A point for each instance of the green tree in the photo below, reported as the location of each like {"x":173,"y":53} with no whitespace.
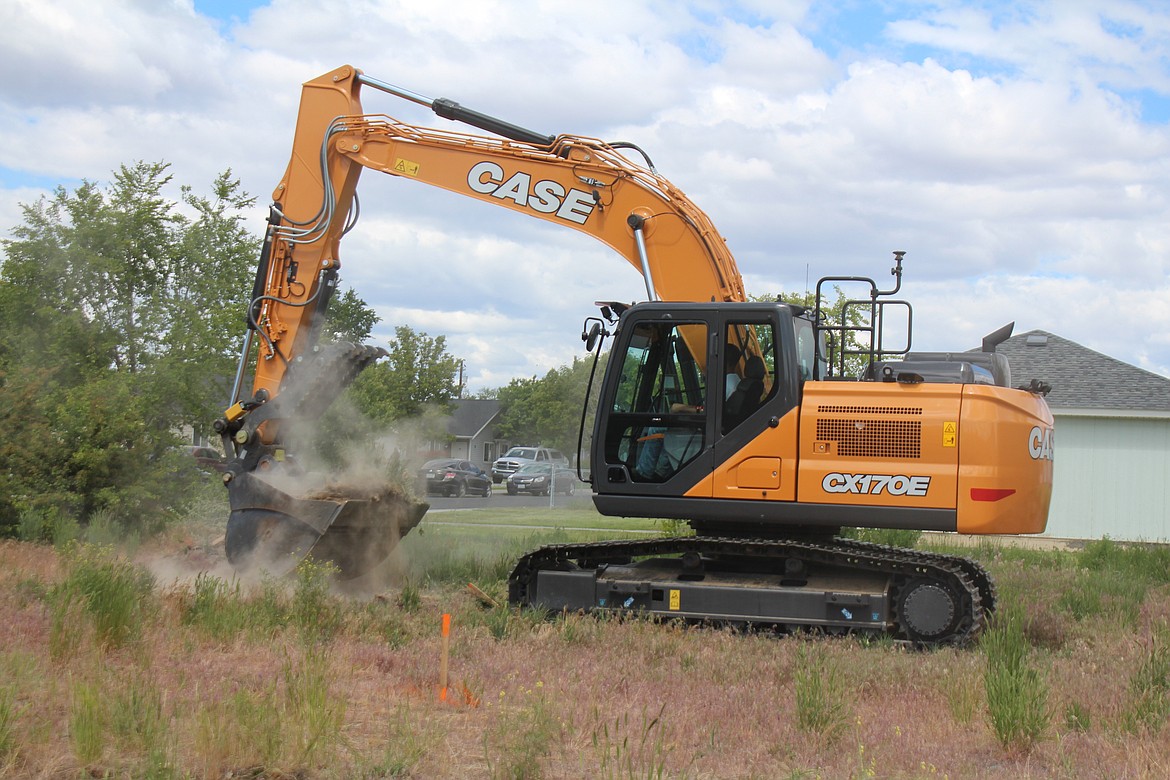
{"x":548,"y":410}
{"x":418,"y":372}
{"x":349,"y":319}
{"x":118,"y":322}
{"x":832,"y":312}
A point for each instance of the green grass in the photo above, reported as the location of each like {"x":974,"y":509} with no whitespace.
{"x":285,"y":678}
{"x":1017,"y":693}
{"x":821,"y":697}
{"x":113,"y":593}
{"x":540,"y":517}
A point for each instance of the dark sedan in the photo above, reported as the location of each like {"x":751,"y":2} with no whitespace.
{"x":454,"y":477}
{"x":535,"y":478}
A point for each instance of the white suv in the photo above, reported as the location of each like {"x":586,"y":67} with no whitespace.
{"x":520,"y":456}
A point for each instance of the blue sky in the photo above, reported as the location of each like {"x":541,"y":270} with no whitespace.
{"x":1019,"y":152}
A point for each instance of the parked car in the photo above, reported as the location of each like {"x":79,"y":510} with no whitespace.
{"x":206,"y":459}
{"x":534,"y":478}
{"x":519,"y":456}
{"x":454,"y":477}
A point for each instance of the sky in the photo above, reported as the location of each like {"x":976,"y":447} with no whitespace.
{"x":1019,"y":153}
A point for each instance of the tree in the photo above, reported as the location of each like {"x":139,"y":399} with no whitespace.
{"x":548,"y":410}
{"x":418,"y":372}
{"x":119,"y":318}
{"x":832,"y":313}
{"x":349,"y":318}
{"x":414,"y":383}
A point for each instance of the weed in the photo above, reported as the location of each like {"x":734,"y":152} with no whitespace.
{"x":576,"y":628}
{"x":963,"y":697}
{"x":1076,"y":717}
{"x":87,"y":722}
{"x":642,"y":757}
{"x":893,"y":537}
{"x":1149,"y":687}
{"x":7,"y":722}
{"x":51,"y":525}
{"x":672,"y":527}
{"x":409,"y":599}
{"x":214,"y":607}
{"x":520,"y":737}
{"x":820,"y":696}
{"x":114,"y":593}
{"x":405,"y":746}
{"x":498,"y":620}
{"x":1147,"y":563}
{"x":1017,"y":695}
{"x":314,"y":715}
{"x":102,"y":528}
{"x":1081,"y":602}
{"x":314,"y":612}
{"x":256,"y":733}
{"x":136,"y":717}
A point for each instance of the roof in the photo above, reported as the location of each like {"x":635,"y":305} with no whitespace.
{"x":469,"y":416}
{"x":1082,"y":378}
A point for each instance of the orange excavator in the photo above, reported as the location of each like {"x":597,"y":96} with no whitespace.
{"x":764,"y":426}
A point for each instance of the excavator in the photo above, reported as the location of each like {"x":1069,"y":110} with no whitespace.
{"x":766,"y":426}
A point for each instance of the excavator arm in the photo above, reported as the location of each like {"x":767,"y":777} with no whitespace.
{"x":579,"y":183}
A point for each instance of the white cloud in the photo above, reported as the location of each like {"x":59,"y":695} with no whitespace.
{"x":1022,"y":186}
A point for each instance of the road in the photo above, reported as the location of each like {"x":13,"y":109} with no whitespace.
{"x":501,"y":500}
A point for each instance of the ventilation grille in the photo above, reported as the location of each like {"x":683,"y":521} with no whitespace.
{"x":912,"y":410}
{"x":873,"y":438}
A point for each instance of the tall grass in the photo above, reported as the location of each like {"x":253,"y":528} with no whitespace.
{"x":87,"y":722}
{"x":7,"y":724}
{"x":114,"y":594}
{"x":312,"y":716}
{"x":1149,"y":686}
{"x":1145,"y":563}
{"x":406,"y":744}
{"x":521,"y":736}
{"x":241,"y":730}
{"x":314,"y":611}
{"x":629,"y":752}
{"x":1017,"y":694}
{"x":821,"y":705}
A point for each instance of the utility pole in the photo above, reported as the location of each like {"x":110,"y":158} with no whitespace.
{"x":461,"y":367}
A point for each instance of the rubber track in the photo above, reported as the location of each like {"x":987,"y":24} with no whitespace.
{"x":964,"y":577}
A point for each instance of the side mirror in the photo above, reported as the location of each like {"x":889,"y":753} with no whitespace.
{"x":592,"y":336}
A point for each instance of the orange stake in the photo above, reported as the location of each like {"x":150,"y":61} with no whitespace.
{"x":443,"y":662}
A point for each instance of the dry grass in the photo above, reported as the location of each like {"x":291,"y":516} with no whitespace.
{"x":566,"y":696}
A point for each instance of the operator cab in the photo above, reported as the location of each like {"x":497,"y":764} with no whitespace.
{"x":690,"y":384}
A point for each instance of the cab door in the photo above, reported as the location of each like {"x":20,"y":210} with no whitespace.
{"x":754,"y":452}
{"x":654,"y":427}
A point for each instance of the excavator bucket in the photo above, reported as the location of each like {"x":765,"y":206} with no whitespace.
{"x":352,"y":529}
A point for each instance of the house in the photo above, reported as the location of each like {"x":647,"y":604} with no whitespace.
{"x":471,"y":432}
{"x":1112,"y":439}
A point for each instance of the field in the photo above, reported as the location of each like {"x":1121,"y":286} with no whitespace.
{"x":154,"y":662}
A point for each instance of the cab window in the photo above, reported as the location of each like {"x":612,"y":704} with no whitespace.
{"x":749,"y":371}
{"x":658,"y":423}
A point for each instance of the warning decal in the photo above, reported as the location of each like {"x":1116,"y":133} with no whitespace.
{"x":405,"y":167}
{"x":950,"y":434}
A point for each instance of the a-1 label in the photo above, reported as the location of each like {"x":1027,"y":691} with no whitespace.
{"x":675,"y":599}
